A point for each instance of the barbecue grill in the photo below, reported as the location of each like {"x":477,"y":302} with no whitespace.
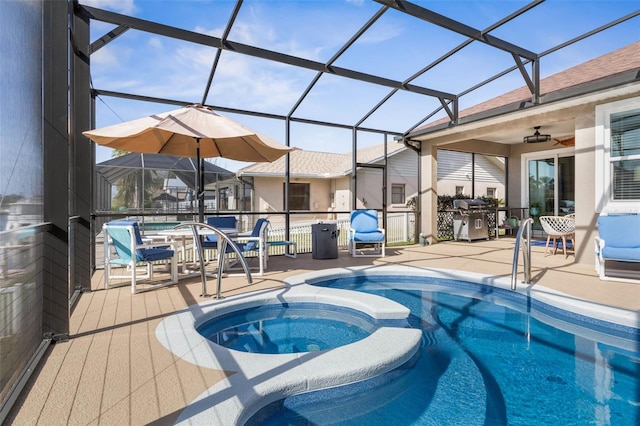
{"x":470,"y":221}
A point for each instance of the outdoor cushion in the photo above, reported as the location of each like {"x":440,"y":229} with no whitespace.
{"x":621,"y":253}
{"x":621,"y":231}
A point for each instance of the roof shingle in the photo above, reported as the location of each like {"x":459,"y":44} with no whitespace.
{"x":624,"y":59}
{"x":319,"y":164}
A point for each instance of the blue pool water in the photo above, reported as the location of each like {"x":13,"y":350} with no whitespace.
{"x":288,"y":328}
{"x":484,"y":360}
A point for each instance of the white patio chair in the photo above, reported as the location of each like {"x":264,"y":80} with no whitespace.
{"x":559,"y":227}
{"x":125,"y":248}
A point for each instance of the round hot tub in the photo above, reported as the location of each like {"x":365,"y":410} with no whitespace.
{"x":288,"y":328}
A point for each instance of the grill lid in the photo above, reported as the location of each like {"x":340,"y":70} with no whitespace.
{"x":468,"y":204}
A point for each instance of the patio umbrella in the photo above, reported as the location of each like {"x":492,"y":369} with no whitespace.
{"x":192,"y":131}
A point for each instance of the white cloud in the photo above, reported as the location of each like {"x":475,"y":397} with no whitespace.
{"x":155,"y":43}
{"x":214,"y":32}
{"x":105,"y":57}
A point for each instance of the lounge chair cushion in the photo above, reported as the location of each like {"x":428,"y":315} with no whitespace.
{"x":619,"y":231}
{"x":374,"y":236}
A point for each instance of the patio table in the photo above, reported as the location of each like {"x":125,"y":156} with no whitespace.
{"x":179,"y":238}
{"x":197,"y":230}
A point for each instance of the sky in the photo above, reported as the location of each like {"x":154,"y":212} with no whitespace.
{"x":395,"y":47}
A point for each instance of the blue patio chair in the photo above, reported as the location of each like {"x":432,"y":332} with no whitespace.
{"x":124,"y":248}
{"x":222,"y":222}
{"x":254,"y":242}
{"x":364,"y":231}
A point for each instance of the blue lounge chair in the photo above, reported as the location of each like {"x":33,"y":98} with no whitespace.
{"x":618,"y":247}
{"x":124,"y":248}
{"x":364,"y":231}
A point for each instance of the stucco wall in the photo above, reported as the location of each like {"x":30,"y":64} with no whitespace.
{"x":585,"y":183}
{"x":269,"y":197}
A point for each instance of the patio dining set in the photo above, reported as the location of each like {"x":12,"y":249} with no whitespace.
{"x":130,"y":256}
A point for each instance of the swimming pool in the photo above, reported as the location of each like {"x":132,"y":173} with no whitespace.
{"x":288,"y":328}
{"x":487,"y":358}
{"x":453,"y":370}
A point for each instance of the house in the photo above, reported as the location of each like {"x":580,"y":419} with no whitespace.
{"x":320,"y":181}
{"x":471,"y":175}
{"x":588,"y":163}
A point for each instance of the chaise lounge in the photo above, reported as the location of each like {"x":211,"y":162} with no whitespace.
{"x":618,"y":247}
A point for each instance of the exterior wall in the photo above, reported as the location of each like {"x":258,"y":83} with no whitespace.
{"x":586,"y":216}
{"x":429,"y":193}
{"x":456,"y":169}
{"x":369,"y":189}
{"x":269,"y":198}
{"x":342,"y":199}
{"x":402,"y":168}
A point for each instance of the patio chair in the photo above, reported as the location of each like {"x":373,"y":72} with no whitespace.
{"x":222,"y":222}
{"x":559,"y":227}
{"x":364,"y":231}
{"x":618,"y":247}
{"x":254,"y":242}
{"x":124,"y":248}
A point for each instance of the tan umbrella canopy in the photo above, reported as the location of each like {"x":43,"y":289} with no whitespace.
{"x":192,"y":131}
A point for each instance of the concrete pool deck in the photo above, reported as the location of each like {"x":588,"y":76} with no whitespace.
{"x":113,"y":370}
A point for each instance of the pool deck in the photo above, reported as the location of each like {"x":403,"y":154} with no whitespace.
{"x":113,"y":369}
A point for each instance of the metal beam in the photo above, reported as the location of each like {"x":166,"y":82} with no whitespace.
{"x":99,"y":92}
{"x":524,"y":73}
{"x":206,"y":40}
{"x":441,"y":59}
{"x":536,"y":78}
{"x":107,"y":38}
{"x":562,"y":95}
{"x":214,"y":66}
{"x":339,"y":53}
{"x":457,"y":27}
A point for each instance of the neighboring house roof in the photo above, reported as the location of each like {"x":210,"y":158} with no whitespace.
{"x":602,"y":68}
{"x":315,"y":164}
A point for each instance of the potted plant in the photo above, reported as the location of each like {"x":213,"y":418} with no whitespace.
{"x":534,"y":208}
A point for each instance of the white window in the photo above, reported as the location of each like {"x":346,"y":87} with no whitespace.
{"x":459,"y":190}
{"x":618,"y":150}
{"x":625,"y":155}
{"x":491,"y":192}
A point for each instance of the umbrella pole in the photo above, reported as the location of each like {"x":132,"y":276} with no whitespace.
{"x":200,"y":184}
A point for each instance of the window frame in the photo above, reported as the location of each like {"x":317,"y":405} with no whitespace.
{"x":604,"y":197}
{"x":306,"y":198}
{"x":224,"y":195}
{"x":403,"y":188}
